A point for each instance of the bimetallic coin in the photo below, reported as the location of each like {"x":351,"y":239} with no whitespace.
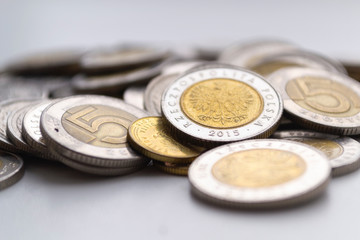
{"x":59,"y":62}
{"x":342,"y":152}
{"x":295,"y":59}
{"x":92,"y":130}
{"x":216,"y":103}
{"x":134,"y":95}
{"x":125,"y":56}
{"x":14,"y":128}
{"x":11,"y":169}
{"x":172,"y":168}
{"x":150,"y":137}
{"x":157,"y":86}
{"x":249,"y":53}
{"x":320,"y":100}
{"x":31,"y":130}
{"x":6,"y":108}
{"x":260,"y":173}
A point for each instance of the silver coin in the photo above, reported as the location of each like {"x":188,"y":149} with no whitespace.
{"x":124,"y":56}
{"x":247,"y":53}
{"x":31,"y":129}
{"x":216,"y":117}
{"x":51,"y":62}
{"x":157,"y":86}
{"x":272,"y":63}
{"x":14,"y":128}
{"x":92,"y":130}
{"x":6,"y":108}
{"x":96,"y":170}
{"x":134,"y":95}
{"x":342,"y":152}
{"x":117,"y":81}
{"x":320,"y":100}
{"x":11,"y":169}
{"x":260,"y":173}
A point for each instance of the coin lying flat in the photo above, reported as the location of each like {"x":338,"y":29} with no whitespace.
{"x":216,"y":103}
{"x":248,"y":53}
{"x":260,"y":173}
{"x":320,"y":100}
{"x":342,"y":152}
{"x":134,"y":95}
{"x":6,"y":108}
{"x":11,"y":169}
{"x":172,"y":168}
{"x":157,"y":86}
{"x":14,"y":129}
{"x":31,"y":129}
{"x":92,"y":130}
{"x":150,"y":137}
{"x":296,"y":59}
{"x":58,"y":62}
{"x":124,"y":56}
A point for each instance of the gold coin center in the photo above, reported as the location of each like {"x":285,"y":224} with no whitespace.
{"x":221,"y":103}
{"x":331,"y":149}
{"x":258,"y":168}
{"x":150,"y":133}
{"x":98,"y":125}
{"x":324,"y":96}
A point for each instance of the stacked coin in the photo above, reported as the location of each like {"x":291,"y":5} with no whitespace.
{"x":181,"y":117}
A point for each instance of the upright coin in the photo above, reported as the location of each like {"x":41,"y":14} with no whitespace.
{"x":215,"y":104}
{"x":92,"y":130}
{"x":260,"y":173}
{"x":31,"y":129}
{"x":134,"y":95}
{"x":150,"y":137}
{"x":320,"y":100}
{"x":343,"y":152}
{"x":11,"y":169}
{"x":6,"y":108}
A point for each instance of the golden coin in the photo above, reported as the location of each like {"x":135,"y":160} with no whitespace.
{"x":98,"y":125}
{"x":149,"y":136}
{"x":175,"y":169}
{"x":324,"y":96}
{"x":221,"y":103}
{"x":331,"y":148}
{"x":259,"y":168}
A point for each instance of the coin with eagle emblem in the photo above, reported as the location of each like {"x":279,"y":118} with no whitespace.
{"x":214,"y":104}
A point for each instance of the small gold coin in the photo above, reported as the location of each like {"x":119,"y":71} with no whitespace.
{"x":149,"y":136}
{"x":172,"y":168}
{"x":221,"y":103}
{"x":258,"y":168}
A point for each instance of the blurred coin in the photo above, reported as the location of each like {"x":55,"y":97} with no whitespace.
{"x":320,"y":100}
{"x":58,"y":62}
{"x":216,"y":103}
{"x":150,"y":137}
{"x":247,"y":53}
{"x":343,"y":152}
{"x":92,"y":130}
{"x":172,"y":168}
{"x":11,"y":169}
{"x":6,"y":108}
{"x":14,"y":128}
{"x":124,"y":56}
{"x":157,"y":86}
{"x":353,"y":68}
{"x":295,"y":59}
{"x":117,"y":81}
{"x":261,"y":173}
{"x":134,"y":95}
{"x":31,"y":129}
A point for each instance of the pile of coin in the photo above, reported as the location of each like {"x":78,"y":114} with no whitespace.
{"x":260,"y":124}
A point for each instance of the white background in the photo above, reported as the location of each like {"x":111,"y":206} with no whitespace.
{"x":55,"y":202}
